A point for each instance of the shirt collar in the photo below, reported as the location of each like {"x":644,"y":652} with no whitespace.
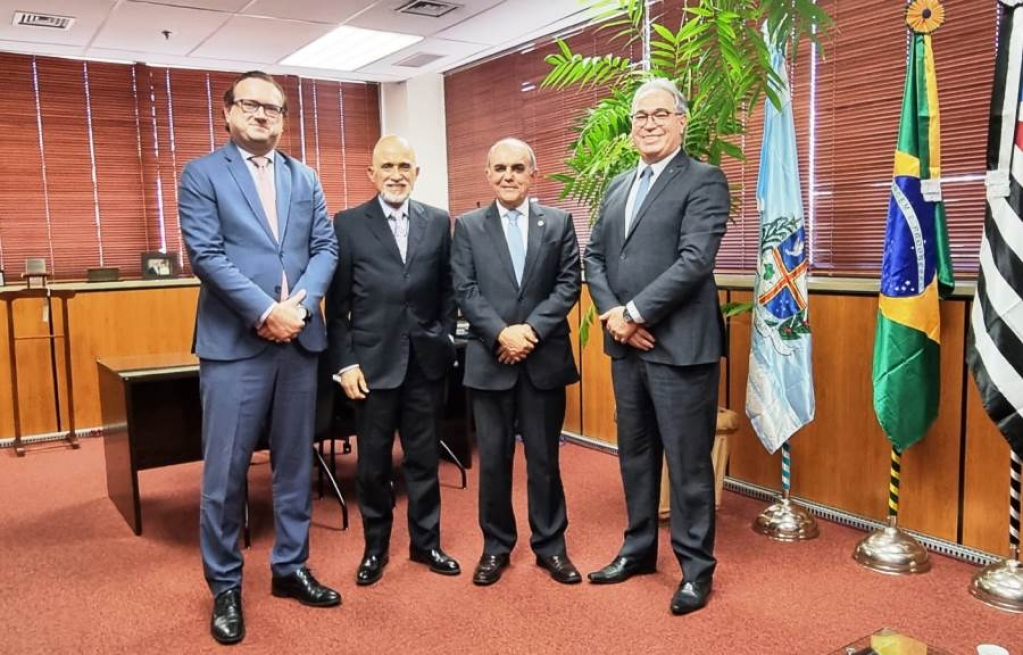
{"x":248,"y":155}
{"x":389,"y":210}
{"x":659,"y":165}
{"x":522,"y":209}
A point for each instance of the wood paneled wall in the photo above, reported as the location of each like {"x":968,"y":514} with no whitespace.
{"x":954,"y":482}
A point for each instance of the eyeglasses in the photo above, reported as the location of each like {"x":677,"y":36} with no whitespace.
{"x":251,"y":107}
{"x":660,"y":117}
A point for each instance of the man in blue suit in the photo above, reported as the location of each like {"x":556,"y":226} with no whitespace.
{"x":255,"y":225}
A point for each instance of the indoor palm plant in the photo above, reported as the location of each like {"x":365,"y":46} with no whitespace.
{"x":717,"y":54}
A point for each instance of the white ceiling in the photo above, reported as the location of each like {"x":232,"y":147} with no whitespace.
{"x":238,"y":35}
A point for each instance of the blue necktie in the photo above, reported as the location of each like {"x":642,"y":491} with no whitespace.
{"x":516,"y":248}
{"x":644,"y":186}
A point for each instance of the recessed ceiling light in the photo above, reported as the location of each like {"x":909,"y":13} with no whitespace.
{"x":349,"y":48}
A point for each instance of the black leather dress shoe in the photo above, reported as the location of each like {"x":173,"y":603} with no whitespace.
{"x":437,"y":559}
{"x":371,"y":569}
{"x":489,"y":570}
{"x":560,"y":567}
{"x":228,"y":625}
{"x":623,"y":568}
{"x":691,"y":596}
{"x":303,"y":587}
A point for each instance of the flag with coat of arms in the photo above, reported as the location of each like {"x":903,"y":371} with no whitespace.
{"x":779,"y":391}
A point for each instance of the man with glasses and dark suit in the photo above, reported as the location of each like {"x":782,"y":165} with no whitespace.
{"x":517,"y":276}
{"x":650,"y":271}
{"x":255,"y":225}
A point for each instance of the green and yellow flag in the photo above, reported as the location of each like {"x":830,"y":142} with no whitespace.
{"x":917,"y":269}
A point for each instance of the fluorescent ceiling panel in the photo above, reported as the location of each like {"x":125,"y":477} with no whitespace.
{"x":349,"y":48}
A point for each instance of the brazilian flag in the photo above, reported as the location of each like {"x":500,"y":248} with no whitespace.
{"x":917,"y":268}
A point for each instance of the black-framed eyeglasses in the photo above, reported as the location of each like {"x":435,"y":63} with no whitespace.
{"x":660,"y":117}
{"x":251,"y":107}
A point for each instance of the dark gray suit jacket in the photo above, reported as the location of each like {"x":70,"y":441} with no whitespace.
{"x":665,"y":265}
{"x":491,"y":300}
{"x":377,"y":304}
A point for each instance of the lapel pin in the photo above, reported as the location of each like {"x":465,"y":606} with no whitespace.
{"x":539,"y":223}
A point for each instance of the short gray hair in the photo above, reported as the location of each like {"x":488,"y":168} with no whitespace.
{"x":661,"y":84}
{"x":518,"y":143}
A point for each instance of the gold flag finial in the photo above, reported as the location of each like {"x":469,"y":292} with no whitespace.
{"x":925,"y":16}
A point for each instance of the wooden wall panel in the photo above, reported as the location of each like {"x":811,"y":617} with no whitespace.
{"x":6,"y":408}
{"x":842,"y":458}
{"x":598,"y":416}
{"x":749,"y":461}
{"x":35,"y":372}
{"x":130,"y":322}
{"x":573,"y":406}
{"x":986,"y":481}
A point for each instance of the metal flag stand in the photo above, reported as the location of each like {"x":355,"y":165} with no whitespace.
{"x":786,"y":520}
{"x":890,"y":549}
{"x":1000,"y":584}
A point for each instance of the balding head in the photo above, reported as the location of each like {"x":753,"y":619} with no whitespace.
{"x":394,"y":170}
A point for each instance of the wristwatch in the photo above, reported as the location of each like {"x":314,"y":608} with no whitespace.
{"x":627,"y":317}
{"x":306,"y":314}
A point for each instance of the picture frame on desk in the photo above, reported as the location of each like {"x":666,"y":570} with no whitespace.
{"x":159,"y":265}
{"x":2,"y":282}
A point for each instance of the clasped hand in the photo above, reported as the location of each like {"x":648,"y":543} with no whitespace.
{"x":515,"y":343}
{"x":285,"y":320}
{"x":625,"y":332}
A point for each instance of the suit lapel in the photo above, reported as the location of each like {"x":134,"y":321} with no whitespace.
{"x":416,"y":230}
{"x":492,"y":225}
{"x":239,"y":170}
{"x":615,"y":213}
{"x":535,"y":240}
{"x":678,"y":164}
{"x":283,"y":179}
{"x":377,"y":223}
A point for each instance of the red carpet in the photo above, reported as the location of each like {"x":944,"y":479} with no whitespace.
{"x":76,"y":580}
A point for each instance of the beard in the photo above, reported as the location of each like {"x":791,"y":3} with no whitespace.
{"x":395,"y":199}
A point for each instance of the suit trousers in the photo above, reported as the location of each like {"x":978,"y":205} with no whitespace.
{"x":538,"y":415}
{"x":668,"y":411}
{"x":412,"y":410}
{"x":238,"y":398}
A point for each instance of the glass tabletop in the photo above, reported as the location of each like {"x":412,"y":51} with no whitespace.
{"x":888,"y":642}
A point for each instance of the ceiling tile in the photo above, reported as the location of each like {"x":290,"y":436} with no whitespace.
{"x":320,"y":11}
{"x":260,"y":40}
{"x":137,"y":26}
{"x":384,"y":16}
{"x":88,"y":15}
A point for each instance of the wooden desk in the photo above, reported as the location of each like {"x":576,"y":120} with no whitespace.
{"x":152,"y":417}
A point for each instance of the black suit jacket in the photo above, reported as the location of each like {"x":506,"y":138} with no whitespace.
{"x":491,"y":300}
{"x":377,"y":305}
{"x":665,"y":264}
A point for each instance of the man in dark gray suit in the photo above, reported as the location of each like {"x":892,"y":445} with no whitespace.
{"x":256,"y":228}
{"x":391,"y":325}
{"x":650,"y":270}
{"x":516,"y":271}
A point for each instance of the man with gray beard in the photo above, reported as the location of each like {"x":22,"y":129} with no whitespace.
{"x":391,"y":322}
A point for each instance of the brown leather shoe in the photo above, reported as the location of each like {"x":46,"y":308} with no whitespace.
{"x":560,"y":567}
{"x":303,"y":587}
{"x":489,"y":569}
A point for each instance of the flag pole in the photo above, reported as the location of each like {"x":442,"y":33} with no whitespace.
{"x":786,"y":520}
{"x":891,"y":549}
{"x":1000,"y":584}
